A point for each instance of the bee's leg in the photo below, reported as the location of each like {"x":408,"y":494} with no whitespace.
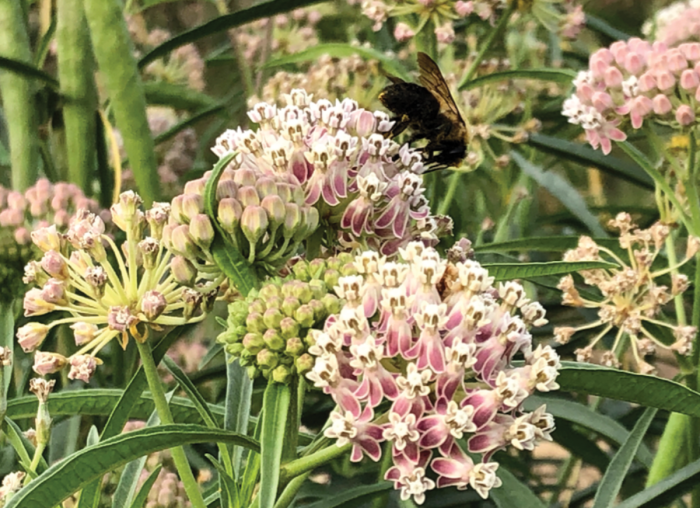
{"x":400,"y":125}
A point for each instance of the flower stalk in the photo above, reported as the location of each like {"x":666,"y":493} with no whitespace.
{"x":310,"y":462}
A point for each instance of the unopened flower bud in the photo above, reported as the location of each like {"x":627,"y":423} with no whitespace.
{"x":84,"y":333}
{"x":183,"y":271}
{"x":294,"y":347}
{"x":48,"y":363}
{"x":289,"y":328}
{"x":182,"y":242}
{"x":281,"y":374}
{"x":157,"y":218}
{"x":254,"y":223}
{"x":289,"y":305}
{"x":248,"y":196}
{"x":47,"y":238}
{"x":42,"y":388}
{"x":331,"y":303}
{"x":252,"y":371}
{"x":226,"y":189}
{"x":229,"y":214}
{"x":54,"y":264}
{"x":253,"y":342}
{"x":330,"y":277}
{"x":272,"y":317}
{"x":96,"y":277}
{"x":245,"y":177}
{"x":192,"y":205}
{"x":304,"y":315}
{"x":319,"y":310}
{"x":82,"y":367}
{"x":235,"y":349}
{"x":304,"y":363}
{"x":301,"y":271}
{"x":149,"y":248}
{"x":276,"y":211}
{"x":31,"y":335}
{"x":257,"y":306}
{"x":193,"y":301}
{"x":269,"y":291}
{"x":267,"y":359}
{"x":292,"y":220}
{"x":202,"y":231}
{"x":153,"y":304}
{"x":303,"y":292}
{"x":254,"y":323}
{"x":273,"y":340}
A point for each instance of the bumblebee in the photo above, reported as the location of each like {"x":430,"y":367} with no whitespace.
{"x":430,"y":112}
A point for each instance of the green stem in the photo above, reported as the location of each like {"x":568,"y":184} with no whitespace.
{"x":76,"y":75}
{"x":426,"y":41}
{"x":114,"y":53}
{"x":310,"y":462}
{"x":671,"y":454}
{"x":179,"y":458}
{"x":450,"y":194}
{"x":287,"y":495}
{"x":18,"y":97}
{"x":38,"y":451}
{"x":7,"y":340}
{"x":505,"y":16}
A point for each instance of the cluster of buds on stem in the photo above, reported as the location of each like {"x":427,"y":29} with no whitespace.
{"x":435,"y":339}
{"x":675,"y":24}
{"x":106,"y":295}
{"x":41,"y":205}
{"x":632,"y":295}
{"x":269,"y":331}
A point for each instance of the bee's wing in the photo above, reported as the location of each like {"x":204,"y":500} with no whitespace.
{"x":431,"y":78}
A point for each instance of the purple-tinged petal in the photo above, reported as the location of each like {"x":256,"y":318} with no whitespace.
{"x":433,"y":437}
{"x":448,"y":468}
{"x":371,"y":449}
{"x":356,"y":455}
{"x":313,"y":191}
{"x":328,"y":193}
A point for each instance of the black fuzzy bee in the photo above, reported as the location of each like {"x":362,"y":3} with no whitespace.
{"x":430,"y":112}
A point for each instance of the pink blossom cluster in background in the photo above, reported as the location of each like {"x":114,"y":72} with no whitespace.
{"x":632,"y":81}
{"x":436,"y":339}
{"x":675,"y":24}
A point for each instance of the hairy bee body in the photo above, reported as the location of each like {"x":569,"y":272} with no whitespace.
{"x":429,"y":112}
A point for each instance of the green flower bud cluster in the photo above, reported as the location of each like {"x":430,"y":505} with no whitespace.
{"x":13,"y":257}
{"x":265,"y":218}
{"x":269,"y":330}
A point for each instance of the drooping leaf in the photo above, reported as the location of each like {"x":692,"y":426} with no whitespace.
{"x":188,"y":122}
{"x":223,"y":23}
{"x":350,"y":498}
{"x":142,"y":495}
{"x":342,"y":50}
{"x":612,"y":480}
{"x":161,"y":93}
{"x":76,"y":471}
{"x":229,"y":490}
{"x":513,"y":493}
{"x":28,"y":71}
{"x":275,"y":413}
{"x":557,"y":75}
{"x":667,"y":490}
{"x":647,"y":391}
{"x":542,"y":244}
{"x":585,"y":417}
{"x":587,"y":156}
{"x":562,"y":190}
{"x":600,"y":26}
{"x":510,"y":271}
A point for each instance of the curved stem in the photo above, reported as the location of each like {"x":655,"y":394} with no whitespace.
{"x":310,"y":462}
{"x":154,"y":384}
{"x":287,"y":495}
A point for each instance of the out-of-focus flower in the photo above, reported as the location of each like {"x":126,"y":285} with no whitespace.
{"x":105,"y":299}
{"x":632,"y":295}
{"x":675,"y":24}
{"x":11,"y":483}
{"x":632,"y":81}
{"x":42,"y":205}
{"x":312,"y":170}
{"x":166,"y":492}
{"x":435,"y":339}
{"x":271,"y":330}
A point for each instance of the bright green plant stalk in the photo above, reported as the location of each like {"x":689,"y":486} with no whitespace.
{"x":290,"y":491}
{"x":117,"y":65}
{"x":76,"y":75}
{"x":671,"y":454}
{"x":19,"y":101}
{"x":310,"y":462}
{"x":7,"y":329}
{"x":179,"y":458}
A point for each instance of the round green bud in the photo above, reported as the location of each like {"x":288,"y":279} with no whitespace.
{"x":252,"y":371}
{"x":227,"y":337}
{"x":248,"y":196}
{"x":281,"y":374}
{"x":267,"y":359}
{"x":303,"y":292}
{"x":348,"y":269}
{"x":274,"y":302}
{"x":257,"y":305}
{"x":289,"y":328}
{"x":269,"y":290}
{"x":330,"y":277}
{"x":295,"y":347}
{"x":237,"y":313}
{"x":273,"y":340}
{"x":301,"y":271}
{"x":254,"y":323}
{"x":272,"y":318}
{"x":332,"y":303}
{"x":316,"y":268}
{"x":304,"y":363}
{"x":229,"y":214}
{"x":247,"y":358}
{"x":254,"y":223}
{"x":319,"y":310}
{"x":253,"y":342}
{"x":318,"y":288}
{"x":304,"y":315}
{"x":289,"y":305}
{"x":235,"y":349}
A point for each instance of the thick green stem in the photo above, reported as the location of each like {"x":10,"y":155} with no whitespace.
{"x":310,"y":462}
{"x":117,"y":65}
{"x":495,"y":31}
{"x":18,"y":97}
{"x":287,"y":495}
{"x":76,"y":74}
{"x":38,"y":451}
{"x":450,"y":194}
{"x":671,"y":455}
{"x":179,"y":458}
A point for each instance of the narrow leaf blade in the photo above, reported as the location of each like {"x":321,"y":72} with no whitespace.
{"x":557,"y":75}
{"x":275,"y":408}
{"x":513,"y":493}
{"x":510,"y":271}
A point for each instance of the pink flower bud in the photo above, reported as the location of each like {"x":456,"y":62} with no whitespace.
{"x":685,"y":115}
{"x":613,"y":77}
{"x":195,"y":186}
{"x":22,"y":236}
{"x":192,"y":204}
{"x":82,"y":367}
{"x":599,"y":62}
{"x":182,"y":242}
{"x":47,"y":239}
{"x":665,"y":80}
{"x":634,"y":63}
{"x":254,"y":223}
{"x":647,"y":82}
{"x":226,"y":189}
{"x":690,"y":50}
{"x":676,"y":61}
{"x":153,"y":304}
{"x":184,"y":272}
{"x":31,"y":335}
{"x":83,"y":333}
{"x":48,"y":363}
{"x":602,"y":101}
{"x":16,"y":201}
{"x":201,"y":231}
{"x":662,"y":104}
{"x":54,"y":264}
{"x":229,"y":214}
{"x":244,"y":177}
{"x":276,"y":211}
{"x":248,"y":196}
{"x":464,"y":9}
{"x":618,"y":51}
{"x":689,"y":80}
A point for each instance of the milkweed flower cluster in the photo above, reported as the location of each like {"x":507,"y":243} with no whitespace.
{"x":269,"y":331}
{"x":312,"y":168}
{"x":632,"y":81}
{"x":435,"y":339}
{"x":41,"y":205}
{"x":675,"y":24}
{"x":105,"y":299}
{"x":11,"y":484}
{"x":632,"y":295}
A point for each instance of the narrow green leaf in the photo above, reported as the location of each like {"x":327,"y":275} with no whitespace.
{"x":580,"y":445}
{"x":510,"y":271}
{"x":252,"y":470}
{"x":602,"y":27}
{"x":351,"y":498}
{"x":71,"y":474}
{"x":585,"y":417}
{"x":142,"y":495}
{"x":14,"y":435}
{"x":513,"y":493}
{"x":161,"y":93}
{"x":191,"y":391}
{"x":542,"y":244}
{"x":648,"y":391}
{"x":28,"y":71}
{"x":557,"y":75}
{"x":667,"y":490}
{"x":239,"y":391}
{"x":612,"y":479}
{"x":7,"y":329}
{"x":561,"y":189}
{"x":228,"y":487}
{"x":275,"y":409}
{"x":342,"y":50}
{"x":225,"y":255}
{"x":188,"y":122}
{"x":213,"y":352}
{"x":587,"y":156}
{"x":223,"y":23}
